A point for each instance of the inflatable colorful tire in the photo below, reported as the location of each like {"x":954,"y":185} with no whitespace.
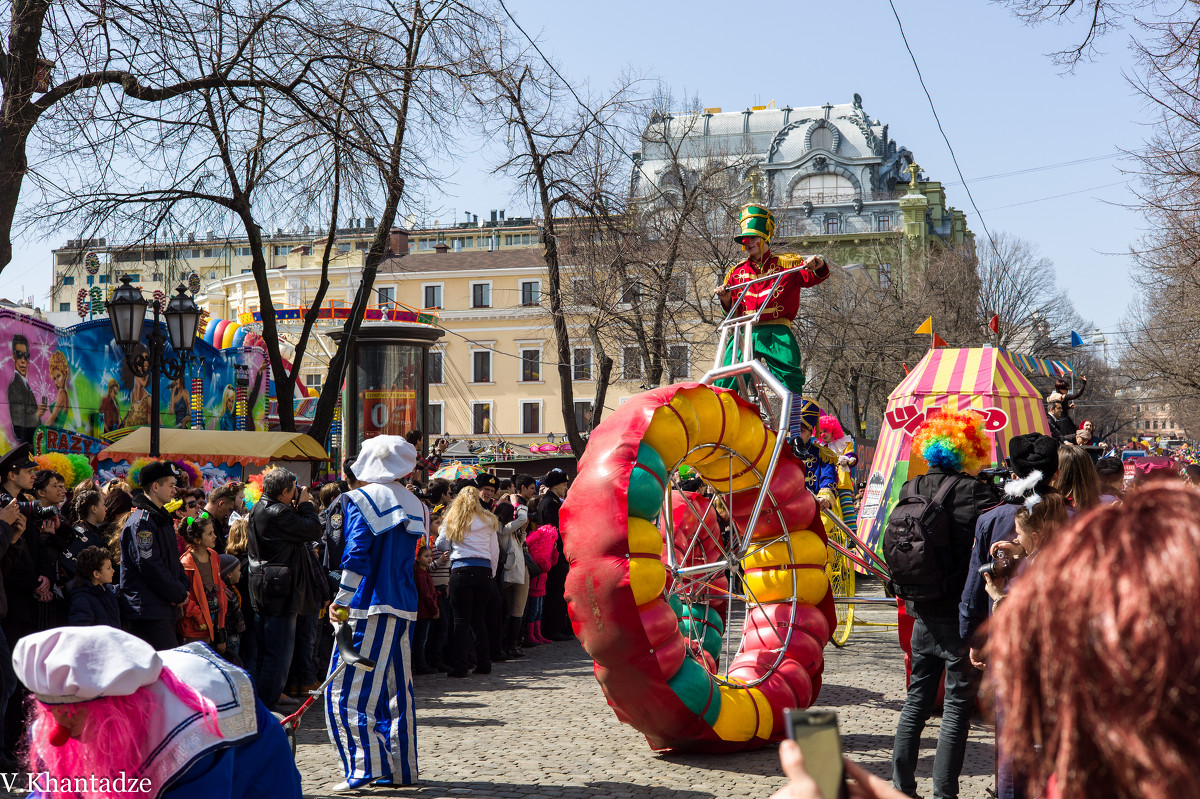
{"x":679,"y":654}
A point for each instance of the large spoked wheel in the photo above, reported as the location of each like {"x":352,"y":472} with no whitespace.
{"x":698,"y":579}
{"x":841,"y":581}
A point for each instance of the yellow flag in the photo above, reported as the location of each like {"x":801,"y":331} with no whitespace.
{"x":926,"y":327}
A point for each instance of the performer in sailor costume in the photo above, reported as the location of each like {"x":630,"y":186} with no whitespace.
{"x":370,"y":714}
{"x":112,"y":717}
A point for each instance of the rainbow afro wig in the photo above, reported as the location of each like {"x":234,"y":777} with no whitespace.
{"x":253,"y":491}
{"x":953,"y":440}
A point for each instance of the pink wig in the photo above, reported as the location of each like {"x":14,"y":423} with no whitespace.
{"x":541,"y":544}
{"x":112,"y":738}
{"x":830,"y":428}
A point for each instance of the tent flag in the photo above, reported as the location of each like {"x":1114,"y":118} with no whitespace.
{"x":1076,"y":339}
{"x":938,"y":341}
{"x":926,"y":328}
{"x":994,"y":324}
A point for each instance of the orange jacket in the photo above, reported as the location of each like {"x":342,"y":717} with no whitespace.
{"x":196,"y":622}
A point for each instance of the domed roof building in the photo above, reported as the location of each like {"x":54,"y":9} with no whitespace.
{"x":832,"y":175}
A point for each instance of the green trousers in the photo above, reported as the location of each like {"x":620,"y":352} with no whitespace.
{"x":777,"y":348}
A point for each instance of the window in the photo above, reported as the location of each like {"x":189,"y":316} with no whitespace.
{"x":105,"y":278}
{"x":468,"y":243}
{"x":885,"y":275}
{"x":64,"y":306}
{"x":91,"y":280}
{"x":433,"y":296}
{"x":678,"y":363}
{"x":481,"y":418}
{"x":69,"y":280}
{"x":531,"y":416}
{"x":436,"y":364}
{"x":531,"y":366}
{"x":157,"y":277}
{"x":344,"y":248}
{"x":883,"y":224}
{"x":433,"y":421}
{"x":425,"y":244}
{"x":581,"y":363}
{"x":508,"y":240}
{"x":832,"y":226}
{"x":583,"y":416}
{"x":531,"y":292}
{"x":281,"y":249}
{"x":210,"y":253}
{"x":246,"y":251}
{"x":363,"y":245}
{"x":481,"y":366}
{"x":136,"y":276}
{"x":481,"y":295}
{"x":387,"y":296}
{"x":821,"y":139}
{"x":631,"y":364}
{"x":822,"y":188}
{"x":677,"y":288}
{"x":629,"y":292}
{"x":314,"y":380}
{"x":195,"y":254}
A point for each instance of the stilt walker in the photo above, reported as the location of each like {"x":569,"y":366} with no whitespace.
{"x":370,"y":715}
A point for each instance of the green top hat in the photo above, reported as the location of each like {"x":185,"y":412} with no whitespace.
{"x":755,"y":220}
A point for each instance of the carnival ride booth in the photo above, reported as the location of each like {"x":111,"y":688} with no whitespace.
{"x":701,"y":638}
{"x":221,"y":455}
{"x":985,"y":379}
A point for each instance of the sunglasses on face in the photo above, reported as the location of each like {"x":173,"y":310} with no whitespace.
{"x":191,"y":504}
{"x":21,"y":355}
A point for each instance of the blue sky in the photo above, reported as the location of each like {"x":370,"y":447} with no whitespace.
{"x":1004,"y":105}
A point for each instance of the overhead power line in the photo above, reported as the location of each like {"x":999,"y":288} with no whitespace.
{"x":1015,"y":172}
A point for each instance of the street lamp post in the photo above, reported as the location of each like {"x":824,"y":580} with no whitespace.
{"x":127,"y":314}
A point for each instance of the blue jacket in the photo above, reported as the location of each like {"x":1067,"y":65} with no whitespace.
{"x":152,"y":578}
{"x":997,"y":524}
{"x":92,"y":605}
{"x":820,"y":466}
{"x":382,"y":525}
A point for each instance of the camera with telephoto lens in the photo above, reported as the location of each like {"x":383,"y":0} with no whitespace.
{"x":1001,"y":566}
{"x":37,"y":513}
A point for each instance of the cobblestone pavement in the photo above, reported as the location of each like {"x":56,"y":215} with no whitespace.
{"x":540,"y":726}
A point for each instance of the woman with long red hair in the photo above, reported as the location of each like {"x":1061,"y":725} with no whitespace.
{"x":1094,"y":654}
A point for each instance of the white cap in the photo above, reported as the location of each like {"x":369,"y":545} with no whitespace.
{"x":385,"y":459}
{"x":78,"y":664}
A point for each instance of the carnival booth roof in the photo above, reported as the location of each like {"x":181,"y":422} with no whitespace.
{"x":985,"y":379}
{"x":250,"y":448}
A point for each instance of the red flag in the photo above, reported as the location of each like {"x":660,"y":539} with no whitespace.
{"x":905,"y":367}
{"x":938,"y":341}
{"x":994,"y":324}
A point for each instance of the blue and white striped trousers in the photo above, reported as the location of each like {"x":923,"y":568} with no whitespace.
{"x":369,"y":714}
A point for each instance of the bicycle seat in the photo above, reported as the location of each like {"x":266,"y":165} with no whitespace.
{"x":343,"y":637}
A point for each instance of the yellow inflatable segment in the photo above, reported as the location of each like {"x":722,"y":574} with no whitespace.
{"x":719,"y":420}
{"x":644,"y":538}
{"x":647,"y":578}
{"x":673,"y":430}
{"x":738,"y":720}
{"x":770,"y":574}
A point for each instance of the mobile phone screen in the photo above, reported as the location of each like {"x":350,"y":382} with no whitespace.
{"x":817,"y":734}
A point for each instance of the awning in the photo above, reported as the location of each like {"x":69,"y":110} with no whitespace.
{"x":248,"y":448}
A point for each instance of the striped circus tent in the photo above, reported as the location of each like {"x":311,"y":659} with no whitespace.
{"x":986,"y":379}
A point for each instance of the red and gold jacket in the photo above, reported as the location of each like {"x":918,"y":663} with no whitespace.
{"x":786,"y":300}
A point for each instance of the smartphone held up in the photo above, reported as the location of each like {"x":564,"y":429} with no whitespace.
{"x":816,"y":732}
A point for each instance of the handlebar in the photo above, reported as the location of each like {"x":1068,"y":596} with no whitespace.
{"x":343,"y":637}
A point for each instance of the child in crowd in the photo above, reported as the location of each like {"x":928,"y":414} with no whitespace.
{"x":541,"y":544}
{"x":235,"y":624}
{"x":92,"y":599}
{"x":204,"y":612}
{"x":238,"y":545}
{"x":427,"y":609}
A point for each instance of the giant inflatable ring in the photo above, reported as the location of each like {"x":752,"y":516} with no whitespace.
{"x":703,"y":645}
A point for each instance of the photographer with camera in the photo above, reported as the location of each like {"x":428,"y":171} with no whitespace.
{"x":28,"y":566}
{"x":283,"y":524}
{"x":13,"y":523}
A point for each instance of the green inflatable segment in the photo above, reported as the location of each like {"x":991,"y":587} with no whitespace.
{"x":676,"y":605}
{"x":695,"y":688}
{"x":647,"y":483}
{"x":706,"y":626}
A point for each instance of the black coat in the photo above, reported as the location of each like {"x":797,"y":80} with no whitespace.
{"x":92,"y":604}
{"x":85,"y":535}
{"x":282,"y":577}
{"x":969,"y":498}
{"x":24,"y":563}
{"x":153,"y":582}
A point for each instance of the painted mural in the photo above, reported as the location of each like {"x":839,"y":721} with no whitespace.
{"x":69,"y":389}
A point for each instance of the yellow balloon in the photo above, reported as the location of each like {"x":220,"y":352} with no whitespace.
{"x":644,"y":537}
{"x":673,"y":430}
{"x":718,"y":416}
{"x":767,"y":583}
{"x":647,"y":578}
{"x":738,"y":719}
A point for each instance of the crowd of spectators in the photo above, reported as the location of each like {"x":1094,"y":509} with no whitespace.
{"x":174,"y":564}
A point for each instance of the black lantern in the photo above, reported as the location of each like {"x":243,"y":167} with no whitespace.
{"x":550,"y":437}
{"x":183,"y":319}
{"x":127,"y":314}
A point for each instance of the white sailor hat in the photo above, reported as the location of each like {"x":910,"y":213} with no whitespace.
{"x":68,"y":665}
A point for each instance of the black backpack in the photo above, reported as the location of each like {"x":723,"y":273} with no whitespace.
{"x":916,"y":544}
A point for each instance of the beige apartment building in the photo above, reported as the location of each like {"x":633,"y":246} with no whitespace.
{"x":494,"y":373}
